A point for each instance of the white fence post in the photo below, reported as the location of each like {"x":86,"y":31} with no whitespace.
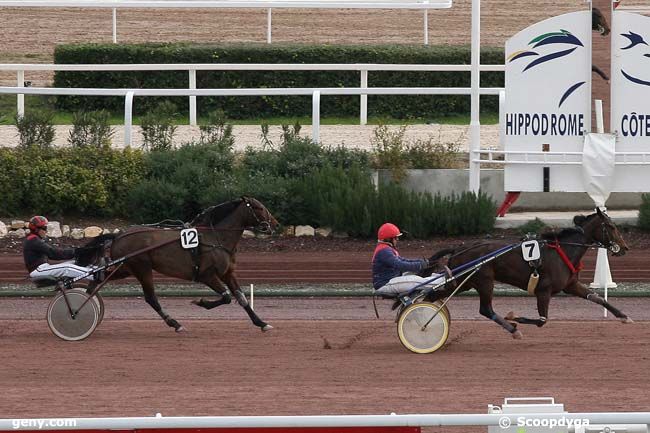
{"x":128,"y":117}
{"x":363,"y":120}
{"x":192,"y":97}
{"x":475,"y":124}
{"x":268,"y":26}
{"x":426,"y":27}
{"x":315,"y":116}
{"x":20,"y":98}
{"x":114,"y":25}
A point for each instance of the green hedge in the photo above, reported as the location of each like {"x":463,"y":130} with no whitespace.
{"x":55,"y":181}
{"x":299,"y":181}
{"x":256,"y":107}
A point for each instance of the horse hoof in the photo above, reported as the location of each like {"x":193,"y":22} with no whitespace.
{"x":180,"y":329}
{"x":627,"y":320}
{"x":510,"y":316}
{"x":266,"y":328}
{"x":517,"y":335}
{"x":195,"y":302}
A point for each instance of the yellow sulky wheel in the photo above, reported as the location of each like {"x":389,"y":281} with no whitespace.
{"x":423,"y":328}
{"x":63,"y":324}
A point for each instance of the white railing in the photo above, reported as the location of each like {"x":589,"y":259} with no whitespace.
{"x":316,"y":93}
{"x":363,"y":69}
{"x":636,"y":419}
{"x":424,"y":5}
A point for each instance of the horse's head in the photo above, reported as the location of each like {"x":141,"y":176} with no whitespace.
{"x":92,"y":252}
{"x":599,"y":22}
{"x":601,"y":229}
{"x":259,"y":216}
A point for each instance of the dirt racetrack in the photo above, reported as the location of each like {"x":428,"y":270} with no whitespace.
{"x":138,"y":367}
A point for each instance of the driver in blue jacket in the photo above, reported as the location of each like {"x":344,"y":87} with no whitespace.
{"x":389,"y":268}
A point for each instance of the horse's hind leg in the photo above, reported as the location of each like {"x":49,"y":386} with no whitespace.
{"x":543,"y":300}
{"x":215,"y":285}
{"x":485,"y":294}
{"x":582,"y":291}
{"x":146,"y":280}
{"x":232,"y":283}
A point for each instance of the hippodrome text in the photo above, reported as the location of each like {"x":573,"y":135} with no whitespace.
{"x":42,"y":423}
{"x":545,"y":124}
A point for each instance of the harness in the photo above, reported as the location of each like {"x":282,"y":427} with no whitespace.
{"x":560,"y":251}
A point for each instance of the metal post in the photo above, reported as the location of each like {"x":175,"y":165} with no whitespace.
{"x":193,"y":98}
{"x":128,"y":117}
{"x":475,"y":124}
{"x":268,"y":26}
{"x":20,"y":98}
{"x":252,"y":297}
{"x":315,"y":116}
{"x":363,"y":120}
{"x":502,"y":120}
{"x":114,"y":25}
{"x":426,"y":27}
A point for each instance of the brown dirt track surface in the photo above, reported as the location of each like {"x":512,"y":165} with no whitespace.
{"x":138,"y":367}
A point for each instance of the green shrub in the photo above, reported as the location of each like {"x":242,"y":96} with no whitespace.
{"x":35,"y":128}
{"x":215,"y":131}
{"x":347,"y":200}
{"x":536,"y":226}
{"x":90,"y":128}
{"x":644,"y":213}
{"x":158,"y":127}
{"x":390,"y":150}
{"x":246,"y":107}
{"x":87,"y":181}
{"x":429,"y":153}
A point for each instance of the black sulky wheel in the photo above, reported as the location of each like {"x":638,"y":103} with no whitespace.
{"x":66,"y":326}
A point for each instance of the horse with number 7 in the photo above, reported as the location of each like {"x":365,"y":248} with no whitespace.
{"x":543,"y":267}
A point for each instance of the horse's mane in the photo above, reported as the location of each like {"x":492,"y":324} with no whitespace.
{"x":564,"y":233}
{"x":216,"y":213}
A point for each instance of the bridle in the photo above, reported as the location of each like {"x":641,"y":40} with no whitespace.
{"x":262,"y":225}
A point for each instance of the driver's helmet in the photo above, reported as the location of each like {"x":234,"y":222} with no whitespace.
{"x":36,"y":223}
{"x":388,"y":231}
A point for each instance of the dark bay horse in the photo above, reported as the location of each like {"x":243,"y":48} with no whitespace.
{"x":220,"y":229}
{"x":555,"y":273}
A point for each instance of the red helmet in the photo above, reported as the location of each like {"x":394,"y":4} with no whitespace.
{"x":36,"y":223}
{"x":388,"y":231}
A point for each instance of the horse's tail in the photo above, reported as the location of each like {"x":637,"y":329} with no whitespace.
{"x":91,"y":252}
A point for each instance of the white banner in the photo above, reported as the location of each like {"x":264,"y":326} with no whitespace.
{"x":548,"y":99}
{"x":630,"y":114}
{"x":598,"y":160}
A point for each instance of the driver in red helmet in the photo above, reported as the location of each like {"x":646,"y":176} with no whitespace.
{"x":388,"y":267}
{"x":36,"y":252}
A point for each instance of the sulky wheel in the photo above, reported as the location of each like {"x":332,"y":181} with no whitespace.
{"x":63,"y":324}
{"x":445,"y":309}
{"x":423,"y":328}
{"x":97,"y":299}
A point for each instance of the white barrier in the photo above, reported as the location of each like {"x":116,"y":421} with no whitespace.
{"x":129,"y":94}
{"x":340,"y":421}
{"x":362,"y":68}
{"x":424,"y":5}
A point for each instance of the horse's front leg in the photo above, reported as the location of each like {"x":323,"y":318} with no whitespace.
{"x":215,"y":285}
{"x":233,"y":285}
{"x":582,"y":291}
{"x":543,"y":300}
